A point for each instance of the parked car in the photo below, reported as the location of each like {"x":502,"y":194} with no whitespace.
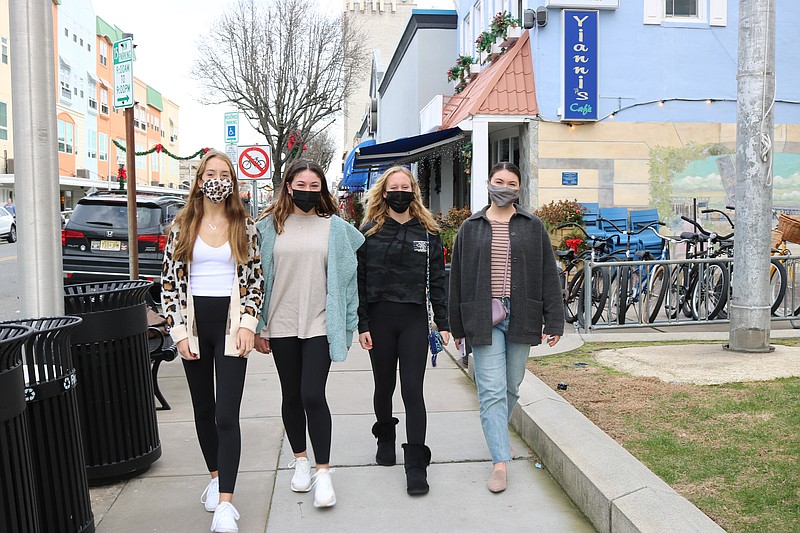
{"x":95,"y":243}
{"x":8,"y":226}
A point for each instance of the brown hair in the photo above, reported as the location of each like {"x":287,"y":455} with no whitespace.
{"x":283,"y":206}
{"x":505,"y":165}
{"x":378,"y":209}
{"x":190,"y":216}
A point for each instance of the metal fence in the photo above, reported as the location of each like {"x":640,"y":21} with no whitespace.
{"x":642,"y":294}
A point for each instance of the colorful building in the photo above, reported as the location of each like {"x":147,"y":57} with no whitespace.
{"x":87,"y":123}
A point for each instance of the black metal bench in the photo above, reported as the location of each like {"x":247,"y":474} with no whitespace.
{"x":161,"y":349}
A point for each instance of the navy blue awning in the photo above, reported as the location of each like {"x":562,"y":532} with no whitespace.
{"x":352,"y":179}
{"x":405,"y":150}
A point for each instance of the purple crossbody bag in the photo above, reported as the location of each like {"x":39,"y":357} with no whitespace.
{"x":499,"y":311}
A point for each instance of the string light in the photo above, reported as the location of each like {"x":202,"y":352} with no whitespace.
{"x":661,"y":103}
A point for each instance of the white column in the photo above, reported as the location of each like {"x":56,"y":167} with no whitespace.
{"x":479,"y":192}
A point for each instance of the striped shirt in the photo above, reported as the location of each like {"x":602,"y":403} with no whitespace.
{"x":500,"y":259}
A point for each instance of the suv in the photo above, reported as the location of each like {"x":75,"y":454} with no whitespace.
{"x":94,"y":240}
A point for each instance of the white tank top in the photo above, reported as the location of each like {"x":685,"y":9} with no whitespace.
{"x":213,"y":270}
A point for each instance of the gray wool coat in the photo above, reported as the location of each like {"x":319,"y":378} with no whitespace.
{"x":536,"y":302}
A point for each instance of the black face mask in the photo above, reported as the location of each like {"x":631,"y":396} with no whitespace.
{"x":399,"y":200}
{"x":305,"y":200}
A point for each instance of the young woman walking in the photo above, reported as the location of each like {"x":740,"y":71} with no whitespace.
{"x":309,"y":311}
{"x":503,"y":253}
{"x":402,"y":255}
{"x":212,"y":287}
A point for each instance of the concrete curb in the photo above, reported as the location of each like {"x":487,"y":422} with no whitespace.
{"x":609,"y":485}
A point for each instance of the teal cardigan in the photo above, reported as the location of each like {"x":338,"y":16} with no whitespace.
{"x":341,"y":302}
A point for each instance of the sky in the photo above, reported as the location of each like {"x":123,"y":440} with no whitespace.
{"x":166,"y":34}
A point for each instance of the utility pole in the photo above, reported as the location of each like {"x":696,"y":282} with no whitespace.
{"x":750,"y":306}
{"x":130,"y":162}
{"x":36,"y":183}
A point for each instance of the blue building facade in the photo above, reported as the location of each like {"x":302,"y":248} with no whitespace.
{"x":620,"y":83}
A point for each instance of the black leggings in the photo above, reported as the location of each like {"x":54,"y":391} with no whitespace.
{"x":303,"y":366}
{"x":216,"y":421}
{"x":399,"y":332}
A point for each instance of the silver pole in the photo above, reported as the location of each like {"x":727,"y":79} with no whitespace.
{"x":750,"y":305}
{"x":33,"y":85}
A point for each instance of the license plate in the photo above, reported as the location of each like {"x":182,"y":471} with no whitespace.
{"x":110,"y":246}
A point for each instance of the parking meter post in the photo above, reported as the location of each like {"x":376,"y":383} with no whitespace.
{"x":133,"y":230}
{"x":36,"y":192}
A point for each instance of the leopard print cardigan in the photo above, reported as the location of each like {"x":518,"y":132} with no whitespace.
{"x":246,"y":297}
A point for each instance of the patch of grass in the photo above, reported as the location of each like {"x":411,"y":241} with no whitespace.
{"x":733,"y":450}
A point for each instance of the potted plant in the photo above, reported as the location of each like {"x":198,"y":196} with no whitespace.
{"x":503,"y":25}
{"x":557,"y":213}
{"x":484,"y":42}
{"x":449,"y":225}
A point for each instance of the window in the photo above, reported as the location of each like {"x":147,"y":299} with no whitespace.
{"x":91,"y":144}
{"x":65,"y":131}
{"x":141,"y":161}
{"x":66,"y":32}
{"x":103,"y":53}
{"x":686,"y":13}
{"x":64,"y":81}
{"x":81,"y":42}
{"x":91,"y":89}
{"x":102,"y":146}
{"x":681,"y":8}
{"x":88,"y":47}
{"x":4,"y":49}
{"x":155,"y":162}
{"x":469,"y":40}
{"x":104,"y":100}
{"x":120,"y":153}
{"x":3,"y":121}
{"x":74,"y":37}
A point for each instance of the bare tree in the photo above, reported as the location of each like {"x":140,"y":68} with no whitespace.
{"x":322,"y":148}
{"x":285,"y":65}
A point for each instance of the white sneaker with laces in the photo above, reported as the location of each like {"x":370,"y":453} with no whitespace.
{"x":301,"y":480}
{"x":210,"y":496}
{"x":323,"y":492}
{"x":225,"y":518}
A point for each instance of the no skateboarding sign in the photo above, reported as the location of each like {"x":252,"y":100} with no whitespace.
{"x":254,"y":162}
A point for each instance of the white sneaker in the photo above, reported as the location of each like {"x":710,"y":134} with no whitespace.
{"x":225,"y":518}
{"x":210,"y":496}
{"x":301,"y":480}
{"x":323,"y":492}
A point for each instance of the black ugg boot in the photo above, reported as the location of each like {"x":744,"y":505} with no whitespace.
{"x":418,"y":457}
{"x":386,"y":434}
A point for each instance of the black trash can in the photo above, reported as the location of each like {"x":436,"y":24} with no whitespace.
{"x":112,"y":363}
{"x":62,"y":492}
{"x":18,"y":506}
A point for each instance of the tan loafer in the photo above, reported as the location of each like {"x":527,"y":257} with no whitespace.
{"x":497,"y":481}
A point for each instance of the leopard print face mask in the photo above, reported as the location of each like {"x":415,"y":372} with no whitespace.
{"x":217,"y":189}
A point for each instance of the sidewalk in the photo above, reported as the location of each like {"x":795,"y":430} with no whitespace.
{"x":370,"y":497}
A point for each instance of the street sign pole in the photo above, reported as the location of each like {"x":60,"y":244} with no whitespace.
{"x":123,"y":98}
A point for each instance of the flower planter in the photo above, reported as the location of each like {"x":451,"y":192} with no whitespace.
{"x":455,"y":83}
{"x":557,"y":235}
{"x":475,"y":68}
{"x":512,"y":34}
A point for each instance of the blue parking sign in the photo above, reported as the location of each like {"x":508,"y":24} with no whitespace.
{"x":231,"y":131}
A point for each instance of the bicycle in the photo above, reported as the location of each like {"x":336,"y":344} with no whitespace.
{"x":572,"y":276}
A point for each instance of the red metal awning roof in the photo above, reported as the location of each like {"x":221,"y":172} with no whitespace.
{"x":506,"y":87}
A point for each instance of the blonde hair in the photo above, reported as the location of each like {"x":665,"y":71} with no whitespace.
{"x":283,"y":206}
{"x":190,"y":216}
{"x":378,"y":208}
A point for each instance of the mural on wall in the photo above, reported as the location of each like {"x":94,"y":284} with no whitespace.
{"x":707,"y":173}
{"x":715,"y":179}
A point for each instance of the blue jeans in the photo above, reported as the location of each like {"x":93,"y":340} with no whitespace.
{"x":499,"y":370}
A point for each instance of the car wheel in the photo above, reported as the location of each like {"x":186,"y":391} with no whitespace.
{"x":12,"y":235}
